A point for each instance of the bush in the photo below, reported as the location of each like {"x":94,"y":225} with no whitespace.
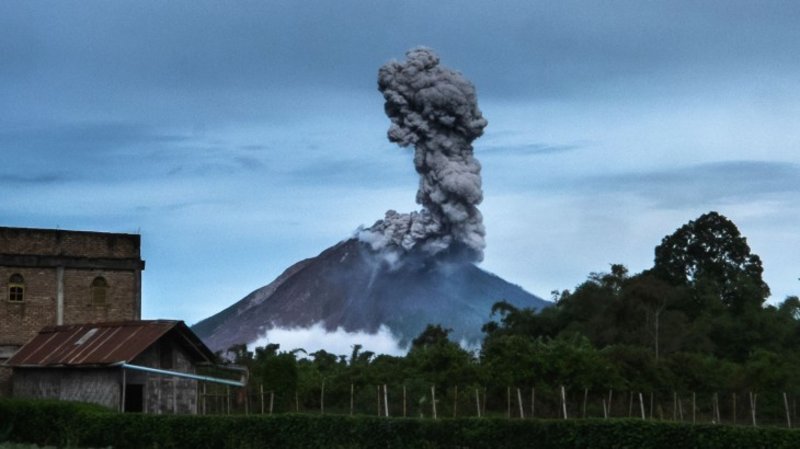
{"x":71,"y":424}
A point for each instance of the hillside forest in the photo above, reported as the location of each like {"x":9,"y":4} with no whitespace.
{"x":694,"y":325}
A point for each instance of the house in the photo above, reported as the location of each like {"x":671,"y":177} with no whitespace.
{"x":56,"y":277}
{"x":135,"y":366}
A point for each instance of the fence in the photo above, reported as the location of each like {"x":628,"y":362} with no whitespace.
{"x":423,"y":400}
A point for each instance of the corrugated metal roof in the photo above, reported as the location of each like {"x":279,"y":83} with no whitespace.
{"x":99,"y":344}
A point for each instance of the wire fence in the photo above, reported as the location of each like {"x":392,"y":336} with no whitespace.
{"x":423,"y":400}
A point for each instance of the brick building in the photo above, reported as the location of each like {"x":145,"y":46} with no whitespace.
{"x":135,"y":366}
{"x":55,"y":277}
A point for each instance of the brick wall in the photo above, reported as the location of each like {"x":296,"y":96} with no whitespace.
{"x":38,"y":254}
{"x":54,"y":242}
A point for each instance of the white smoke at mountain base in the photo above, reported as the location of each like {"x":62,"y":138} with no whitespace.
{"x":339,"y":342}
{"x":434,"y":109}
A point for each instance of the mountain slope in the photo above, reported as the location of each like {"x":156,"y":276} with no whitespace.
{"x":348,"y":286}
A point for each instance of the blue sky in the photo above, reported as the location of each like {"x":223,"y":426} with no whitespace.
{"x":240,"y":137}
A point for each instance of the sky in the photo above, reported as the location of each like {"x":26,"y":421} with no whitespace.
{"x":240,"y":137}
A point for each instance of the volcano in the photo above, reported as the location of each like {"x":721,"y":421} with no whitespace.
{"x":350,"y":286}
{"x":407,"y":270}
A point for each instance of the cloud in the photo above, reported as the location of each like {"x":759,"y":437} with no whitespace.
{"x":532,"y":149}
{"x":81,"y":139}
{"x":339,"y":342}
{"x":34,"y":179}
{"x":709,"y":183}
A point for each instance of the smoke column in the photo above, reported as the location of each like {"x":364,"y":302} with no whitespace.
{"x":434,"y":109}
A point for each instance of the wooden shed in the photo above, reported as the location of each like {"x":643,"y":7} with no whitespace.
{"x":136,"y":366}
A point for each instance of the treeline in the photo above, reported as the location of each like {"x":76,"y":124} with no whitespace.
{"x":691,"y":335}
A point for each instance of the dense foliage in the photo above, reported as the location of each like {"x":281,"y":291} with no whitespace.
{"x":694,"y":324}
{"x":77,"y":425}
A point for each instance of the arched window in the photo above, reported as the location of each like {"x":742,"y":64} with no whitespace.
{"x":16,"y":287}
{"x":99,"y":290}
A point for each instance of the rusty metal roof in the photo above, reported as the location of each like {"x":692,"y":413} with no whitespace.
{"x":103,"y":344}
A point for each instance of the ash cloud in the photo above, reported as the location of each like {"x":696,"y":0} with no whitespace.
{"x":434,"y":109}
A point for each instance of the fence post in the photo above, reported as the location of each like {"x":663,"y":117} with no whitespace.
{"x":261,"y":390}
{"x":433,"y":400}
{"x":404,"y":400}
{"x":508,"y":402}
{"x":478,"y":402}
{"x":386,"y":400}
{"x":585,"y":398}
{"x":564,"y":401}
{"x":641,"y":405}
{"x":455,"y":402}
{"x":322,"y":398}
{"x":786,"y":406}
{"x":519,"y":400}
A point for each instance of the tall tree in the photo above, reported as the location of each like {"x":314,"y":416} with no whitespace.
{"x":710,"y":255}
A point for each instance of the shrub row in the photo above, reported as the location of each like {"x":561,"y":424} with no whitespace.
{"x":68,"y":424}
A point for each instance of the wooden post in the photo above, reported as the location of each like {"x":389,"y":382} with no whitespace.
{"x":478,"y":402}
{"x":483,"y":409}
{"x":533,"y":402}
{"x":680,"y":408}
{"x":641,"y":405}
{"x":386,"y":400}
{"x":610,"y":396}
{"x":352,"y":392}
{"x":124,"y":385}
{"x":379,"y":400}
{"x":261,"y":392}
{"x":246,"y":400}
{"x":753,"y":398}
{"x":433,"y":400}
{"x":204,"y":398}
{"x":404,"y":401}
{"x":508,"y":402}
{"x":519,"y":399}
{"x":674,"y":405}
{"x":630,"y":404}
{"x":716,"y":408}
{"x":322,"y":398}
{"x":651,"y":405}
{"x":585,"y":399}
{"x":271,"y":400}
{"x":786,"y":406}
{"x":455,"y":402}
{"x":605,"y":409}
{"x":564,"y":401}
{"x":158,"y":395}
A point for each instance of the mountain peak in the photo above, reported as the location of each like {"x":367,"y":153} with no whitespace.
{"x":352,"y":287}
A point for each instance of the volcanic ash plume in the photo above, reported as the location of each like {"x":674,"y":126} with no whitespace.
{"x":436,"y":110}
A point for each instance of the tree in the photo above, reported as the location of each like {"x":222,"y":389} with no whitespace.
{"x":710,"y":255}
